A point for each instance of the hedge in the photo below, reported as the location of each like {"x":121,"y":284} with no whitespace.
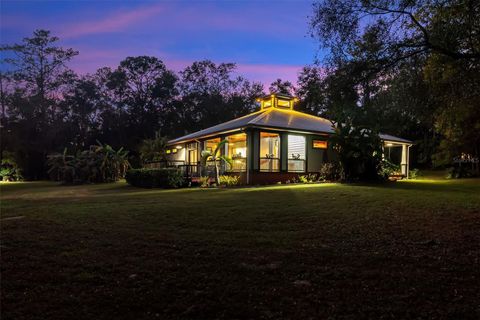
{"x":155,"y":178}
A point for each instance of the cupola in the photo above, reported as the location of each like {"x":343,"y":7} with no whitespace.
{"x":277,"y":100}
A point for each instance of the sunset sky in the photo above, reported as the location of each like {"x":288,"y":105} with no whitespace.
{"x":267,"y":39}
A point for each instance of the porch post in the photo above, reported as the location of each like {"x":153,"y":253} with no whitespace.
{"x":404,"y":162}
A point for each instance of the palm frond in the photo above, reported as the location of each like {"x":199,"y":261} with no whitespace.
{"x":219,"y":147}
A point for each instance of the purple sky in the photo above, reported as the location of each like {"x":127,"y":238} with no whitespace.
{"x":267,"y":39}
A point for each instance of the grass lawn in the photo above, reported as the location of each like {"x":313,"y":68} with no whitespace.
{"x":405,"y":250}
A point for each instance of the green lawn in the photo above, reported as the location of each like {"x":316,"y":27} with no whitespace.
{"x":405,"y":250}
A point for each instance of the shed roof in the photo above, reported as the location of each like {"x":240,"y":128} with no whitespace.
{"x":274,"y":118}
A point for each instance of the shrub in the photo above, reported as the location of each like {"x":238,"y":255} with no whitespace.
{"x":330,"y":171}
{"x":229,"y":181}
{"x":303,"y":179}
{"x":459,"y":172}
{"x":155,"y":178}
{"x":309,"y":178}
{"x":414,"y":174}
{"x":204,"y":182}
{"x":9,"y":170}
{"x":388,"y":169}
{"x":99,"y":163}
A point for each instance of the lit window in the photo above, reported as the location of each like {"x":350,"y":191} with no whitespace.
{"x":174,"y":150}
{"x":269,"y":152}
{"x":237,"y":151}
{"x":296,"y":153}
{"x":320,"y":144}
{"x":168,"y":151}
{"x":211,"y":144}
{"x":283,"y":103}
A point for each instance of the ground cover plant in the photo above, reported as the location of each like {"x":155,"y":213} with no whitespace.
{"x":404,"y":250}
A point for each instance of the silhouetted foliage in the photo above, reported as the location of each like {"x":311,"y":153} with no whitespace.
{"x":414,"y":66}
{"x":99,"y":163}
{"x":46,"y":107}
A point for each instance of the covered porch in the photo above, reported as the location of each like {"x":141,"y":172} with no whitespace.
{"x":398,"y":153}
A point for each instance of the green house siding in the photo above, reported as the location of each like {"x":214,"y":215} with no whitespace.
{"x":254,"y":150}
{"x":284,"y":151}
{"x":315,"y":157}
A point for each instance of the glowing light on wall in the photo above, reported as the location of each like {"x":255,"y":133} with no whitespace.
{"x":320,"y":144}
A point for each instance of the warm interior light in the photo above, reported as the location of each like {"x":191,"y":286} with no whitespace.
{"x":320,"y":144}
{"x":283,"y":103}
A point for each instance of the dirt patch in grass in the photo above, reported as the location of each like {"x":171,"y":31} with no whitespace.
{"x":398,"y":251}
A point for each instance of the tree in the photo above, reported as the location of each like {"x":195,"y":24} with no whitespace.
{"x":211,"y":95}
{"x":145,"y":89}
{"x":311,"y":91}
{"x":99,"y":163}
{"x":38,"y":68}
{"x":84,"y":105}
{"x":216,"y":156}
{"x":407,"y":28}
{"x":282,"y":87}
{"x":359,"y":149}
{"x":410,"y":61}
{"x":153,"y":149}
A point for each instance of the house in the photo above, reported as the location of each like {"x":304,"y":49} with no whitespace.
{"x":273,"y":144}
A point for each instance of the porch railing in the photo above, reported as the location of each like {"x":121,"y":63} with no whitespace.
{"x":190,"y":170}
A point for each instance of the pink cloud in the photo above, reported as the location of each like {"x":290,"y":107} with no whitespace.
{"x":117,"y":21}
{"x":90,"y":59}
{"x":263,"y":73}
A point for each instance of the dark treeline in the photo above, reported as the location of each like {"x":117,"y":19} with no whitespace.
{"x":408,"y":68}
{"x":46,"y":107}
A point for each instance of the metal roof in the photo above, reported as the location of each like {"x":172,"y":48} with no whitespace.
{"x":274,"y":118}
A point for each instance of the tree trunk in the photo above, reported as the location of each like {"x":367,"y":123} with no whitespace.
{"x":217,"y":174}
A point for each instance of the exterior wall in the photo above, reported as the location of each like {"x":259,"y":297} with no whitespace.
{"x":316,"y":157}
{"x":255,"y":150}
{"x":180,"y":155}
{"x":271,"y":177}
{"x":284,"y":152}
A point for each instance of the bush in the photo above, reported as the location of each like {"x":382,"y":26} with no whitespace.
{"x":229,"y":181}
{"x":204,"y":182}
{"x":330,"y":171}
{"x":388,"y":169}
{"x":9,"y":170}
{"x":413,"y":174}
{"x":155,"y":178}
{"x":309,"y":178}
{"x":459,"y":172}
{"x":99,"y":163}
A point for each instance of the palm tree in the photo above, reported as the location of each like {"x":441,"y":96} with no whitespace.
{"x":215,"y":156}
{"x":153,"y":149}
{"x":62,"y":166}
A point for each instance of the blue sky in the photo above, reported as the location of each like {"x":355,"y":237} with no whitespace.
{"x":267,"y":39}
